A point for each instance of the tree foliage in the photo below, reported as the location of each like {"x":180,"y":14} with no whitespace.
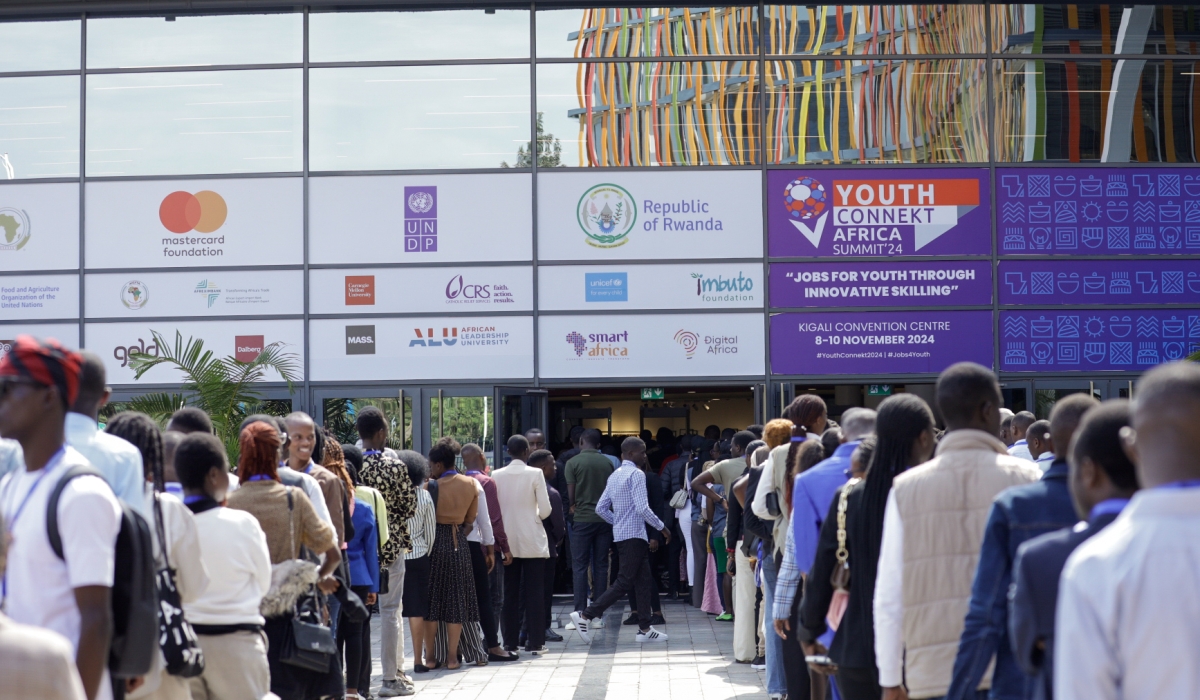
{"x":549,"y":151}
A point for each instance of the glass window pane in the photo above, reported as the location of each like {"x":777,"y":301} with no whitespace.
{"x":875,"y":29}
{"x":418,"y":117}
{"x":645,"y":32}
{"x":140,"y":42}
{"x":676,"y":113}
{"x":464,"y":418}
{"x":191,"y":123}
{"x":417,"y":36}
{"x":338,"y":416}
{"x":1055,"y":29}
{"x":39,"y":127}
{"x":873,"y":111}
{"x":39,"y":46}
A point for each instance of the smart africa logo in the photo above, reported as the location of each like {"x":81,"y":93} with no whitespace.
{"x":689,"y":340}
{"x":607,"y":213}
{"x":577,"y":340}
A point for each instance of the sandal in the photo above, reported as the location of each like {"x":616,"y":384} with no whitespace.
{"x":420,"y":668}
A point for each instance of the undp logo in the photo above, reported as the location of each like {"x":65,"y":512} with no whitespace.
{"x":181,"y":212}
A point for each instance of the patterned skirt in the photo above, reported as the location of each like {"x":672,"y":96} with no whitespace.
{"x":451,"y":580}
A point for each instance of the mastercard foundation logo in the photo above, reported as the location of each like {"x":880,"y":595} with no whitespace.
{"x":181,"y":212}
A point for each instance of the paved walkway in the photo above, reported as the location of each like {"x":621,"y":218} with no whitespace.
{"x":696,"y":664}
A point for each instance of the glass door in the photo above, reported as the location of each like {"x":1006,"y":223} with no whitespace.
{"x":466,"y":414}
{"x":337,"y":409}
{"x":518,"y":409}
{"x":1047,"y":392}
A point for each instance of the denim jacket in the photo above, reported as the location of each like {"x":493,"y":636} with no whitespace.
{"x":1018,"y":514}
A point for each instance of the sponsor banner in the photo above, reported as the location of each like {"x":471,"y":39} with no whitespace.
{"x":421,"y":290}
{"x":652,"y":345}
{"x":453,"y":347}
{"x":1079,"y":211}
{"x":879,"y":342}
{"x":195,"y":223}
{"x":421,"y":218}
{"x":41,"y":296}
{"x":206,"y":293}
{"x":664,"y":215}
{"x":244,"y":340}
{"x":827,"y":213}
{"x":1078,"y":340}
{"x":618,"y":287}
{"x":39,"y":226}
{"x":65,"y":333}
{"x":942,"y":283}
{"x":1060,"y":282}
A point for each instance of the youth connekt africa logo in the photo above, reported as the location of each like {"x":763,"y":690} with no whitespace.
{"x":607,"y":213}
{"x":14,"y":228}
{"x":807,"y":203}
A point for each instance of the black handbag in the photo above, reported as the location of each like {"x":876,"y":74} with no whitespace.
{"x":307,"y":643}
{"x":176,"y":637}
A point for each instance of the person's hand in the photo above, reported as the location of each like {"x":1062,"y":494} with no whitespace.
{"x":895,"y":693}
{"x":818,"y":649}
{"x":572,"y":509}
{"x":666,"y":533}
{"x":371,"y":598}
{"x":132,"y":684}
{"x":508,"y":558}
{"x":491,"y":562}
{"x":653,"y":545}
{"x":782,"y":627}
{"x":328,"y":585}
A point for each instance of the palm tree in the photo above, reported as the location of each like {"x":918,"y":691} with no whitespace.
{"x":224,"y":388}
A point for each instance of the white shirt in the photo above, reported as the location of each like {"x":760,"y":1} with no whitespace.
{"x":311,"y":489}
{"x":1044,"y":460}
{"x":482,"y":532}
{"x":11,"y":457}
{"x":234,"y":551}
{"x":524,"y":503}
{"x":118,"y":460}
{"x":183,"y":544}
{"x":1020,"y":449}
{"x":889,"y":598}
{"x":1128,"y":625}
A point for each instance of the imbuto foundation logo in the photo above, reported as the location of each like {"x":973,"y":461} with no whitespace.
{"x":182,"y":213}
{"x":607,"y":213}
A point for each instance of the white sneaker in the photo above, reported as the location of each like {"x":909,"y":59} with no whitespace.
{"x":598,"y":623}
{"x":539,"y":652}
{"x":569,"y":626}
{"x":582,"y":626}
{"x":651,"y":635}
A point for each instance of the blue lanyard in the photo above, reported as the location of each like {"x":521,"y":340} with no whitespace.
{"x":473,"y":472}
{"x":447,"y":473}
{"x":260,"y":477}
{"x":50,"y":465}
{"x":368,"y":453}
{"x":1178,"y":485}
{"x":1112,"y":506}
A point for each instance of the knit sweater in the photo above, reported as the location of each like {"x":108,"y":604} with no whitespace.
{"x":267,"y":501}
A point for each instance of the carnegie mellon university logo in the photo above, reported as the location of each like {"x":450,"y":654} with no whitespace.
{"x":607,"y":213}
{"x":14,"y":228}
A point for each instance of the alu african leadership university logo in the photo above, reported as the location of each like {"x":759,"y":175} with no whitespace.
{"x":607,"y":213}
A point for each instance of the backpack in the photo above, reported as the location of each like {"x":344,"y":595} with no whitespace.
{"x":134,"y":592}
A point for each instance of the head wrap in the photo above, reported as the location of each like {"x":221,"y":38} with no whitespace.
{"x":46,"y":362}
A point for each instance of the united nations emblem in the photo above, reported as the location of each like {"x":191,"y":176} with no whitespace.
{"x":607,"y":213}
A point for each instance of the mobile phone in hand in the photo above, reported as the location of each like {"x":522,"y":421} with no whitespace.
{"x":819,"y":660}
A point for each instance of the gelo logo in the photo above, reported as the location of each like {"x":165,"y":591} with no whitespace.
{"x":246,"y":348}
{"x":689,"y":340}
{"x":204,"y":211}
{"x":124,"y":353}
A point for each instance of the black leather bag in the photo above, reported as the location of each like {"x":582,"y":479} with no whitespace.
{"x":307,"y":643}
{"x":181,"y":650}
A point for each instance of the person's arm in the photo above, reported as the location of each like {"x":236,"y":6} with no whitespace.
{"x":604,"y":507}
{"x":260,"y":558}
{"x":766,"y":484}
{"x":371,"y":545}
{"x":316,"y":497}
{"x":543,"y":498}
{"x":1086,"y":663}
{"x":331,"y":493}
{"x":888,"y":605}
{"x":641,"y":505}
{"x":325,"y":580}
{"x":95,"y":633}
{"x":786,"y":585}
{"x":428,"y":517}
{"x":818,"y":587}
{"x":558,"y":522}
{"x":985,"y":622}
{"x":407,"y":505}
{"x":701,"y":485}
{"x":570,"y":477}
{"x":472,"y":508}
{"x":1023,"y":634}
{"x":489,"y":492}
{"x":191,"y":575}
{"x":381,"y":517}
{"x":483,"y":519}
{"x":317,"y":535}
{"x":739,"y":490}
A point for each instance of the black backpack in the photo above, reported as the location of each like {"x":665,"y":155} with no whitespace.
{"x":134,"y":592}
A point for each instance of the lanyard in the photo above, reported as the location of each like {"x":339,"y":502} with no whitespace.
{"x":448,"y":472}
{"x":473,"y":472}
{"x":1178,"y":485}
{"x":368,"y":453}
{"x":1112,"y":506}
{"x":50,"y":466}
{"x":260,"y":477}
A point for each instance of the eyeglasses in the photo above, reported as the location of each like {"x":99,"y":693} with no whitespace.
{"x":8,"y":382}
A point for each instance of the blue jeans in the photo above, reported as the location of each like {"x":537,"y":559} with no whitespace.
{"x":590,"y":543}
{"x":776,"y":678}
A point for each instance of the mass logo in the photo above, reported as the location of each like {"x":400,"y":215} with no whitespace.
{"x":208,"y":289}
{"x":134,"y":295}
{"x":360,"y":340}
{"x":204,"y":212}
{"x":689,"y":340}
{"x":600,"y":345}
{"x":429,"y":340}
{"x":360,"y":290}
{"x":607,"y":213}
{"x":15,"y":226}
{"x":420,"y":219}
{"x":247,"y":348}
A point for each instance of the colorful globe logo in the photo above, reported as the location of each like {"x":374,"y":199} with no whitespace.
{"x":181,"y":212}
{"x":805,"y":198}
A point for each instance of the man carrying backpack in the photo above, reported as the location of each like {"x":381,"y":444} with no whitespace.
{"x":69,"y":594}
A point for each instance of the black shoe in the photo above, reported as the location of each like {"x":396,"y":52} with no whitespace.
{"x":657,"y":619}
{"x":552,"y":636}
{"x":631,"y":620}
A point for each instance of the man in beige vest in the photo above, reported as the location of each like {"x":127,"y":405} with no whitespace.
{"x":932,"y":532}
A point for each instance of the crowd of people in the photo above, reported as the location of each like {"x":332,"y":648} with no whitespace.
{"x":882,"y":556}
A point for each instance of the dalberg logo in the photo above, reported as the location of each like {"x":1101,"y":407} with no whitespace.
{"x":607,"y":213}
{"x":134,"y":295}
{"x":15,"y":225}
{"x":600,"y":345}
{"x":182,"y":212}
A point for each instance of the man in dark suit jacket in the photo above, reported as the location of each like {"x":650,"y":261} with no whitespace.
{"x":1102,"y":480}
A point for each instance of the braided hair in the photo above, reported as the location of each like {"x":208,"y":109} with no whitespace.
{"x":806,"y":412}
{"x":335,"y":461}
{"x":259,"y":444}
{"x":142,"y":432}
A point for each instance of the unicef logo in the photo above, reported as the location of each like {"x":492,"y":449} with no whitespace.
{"x":14,"y":228}
{"x":420,"y":202}
{"x":805,"y":198}
{"x":607,"y":213}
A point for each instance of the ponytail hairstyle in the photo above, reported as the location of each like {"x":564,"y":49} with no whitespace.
{"x":142,"y":432}
{"x":259,"y":444}
{"x":805,"y":412}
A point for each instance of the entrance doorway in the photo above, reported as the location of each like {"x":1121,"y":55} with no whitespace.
{"x":841,"y":397}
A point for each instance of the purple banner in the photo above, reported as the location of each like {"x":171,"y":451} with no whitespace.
{"x":942,"y":283}
{"x":879,"y":342}
{"x":1053,"y":282}
{"x":1056,"y":341}
{"x":1077,"y":211}
{"x":828,"y":213}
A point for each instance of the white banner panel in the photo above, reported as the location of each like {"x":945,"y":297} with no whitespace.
{"x":489,"y":348}
{"x":652,"y":345}
{"x":115,"y":342}
{"x":207,"y":293}
{"x":39,"y":296}
{"x":620,"y":287}
{"x":39,"y":226}
{"x":421,"y":290}
{"x":195,"y":223}
{"x":421,"y":218}
{"x":653,"y":215}
{"x":65,"y":333}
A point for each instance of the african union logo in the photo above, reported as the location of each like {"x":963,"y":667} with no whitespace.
{"x":606,"y":214}
{"x":181,"y":212}
{"x":15,"y":225}
{"x":210,"y":289}
{"x":690,"y":342}
{"x":134,"y":295}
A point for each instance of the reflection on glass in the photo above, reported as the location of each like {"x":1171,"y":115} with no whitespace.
{"x":417,"y":36}
{"x":339,"y":416}
{"x":140,"y":42}
{"x":195,"y":122}
{"x":1047,"y":398}
{"x":1073,"y":111}
{"x":418,"y":117}
{"x":39,"y":46}
{"x":645,"y":32}
{"x":464,"y":418}
{"x":1038,"y":29}
{"x":39,"y":127}
{"x":874,"y":29}
{"x":663,"y":113}
{"x":877,"y":111}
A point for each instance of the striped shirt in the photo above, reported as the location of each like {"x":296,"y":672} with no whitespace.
{"x":422,"y":526}
{"x":624,"y":505}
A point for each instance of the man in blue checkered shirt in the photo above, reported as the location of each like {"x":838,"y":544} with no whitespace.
{"x":624,"y":505}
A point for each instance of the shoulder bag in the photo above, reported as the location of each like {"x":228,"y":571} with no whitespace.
{"x":840,"y":578}
{"x":307,"y":643}
{"x":180,"y":648}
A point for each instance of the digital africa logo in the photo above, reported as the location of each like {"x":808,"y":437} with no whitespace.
{"x":134,"y":295}
{"x":204,"y":212}
{"x":690,"y":342}
{"x":15,"y":225}
{"x":607,"y":213}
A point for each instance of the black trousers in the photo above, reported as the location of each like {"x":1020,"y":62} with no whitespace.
{"x":355,"y":639}
{"x":483,"y":593}
{"x":633,"y":575}
{"x":796,"y":671}
{"x":655,"y":559}
{"x":524,"y":585}
{"x":548,"y":583}
{"x":674,"y":551}
{"x":859,"y":683}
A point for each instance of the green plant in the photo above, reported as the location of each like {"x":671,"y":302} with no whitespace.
{"x":225,"y":388}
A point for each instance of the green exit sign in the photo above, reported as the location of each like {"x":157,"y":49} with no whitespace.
{"x":879,"y":390}
{"x":653,"y":394}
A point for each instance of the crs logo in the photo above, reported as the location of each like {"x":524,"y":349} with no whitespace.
{"x":124,"y":354}
{"x":204,"y":211}
{"x":458,"y":290}
{"x":428,"y":340}
{"x":690,"y":342}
